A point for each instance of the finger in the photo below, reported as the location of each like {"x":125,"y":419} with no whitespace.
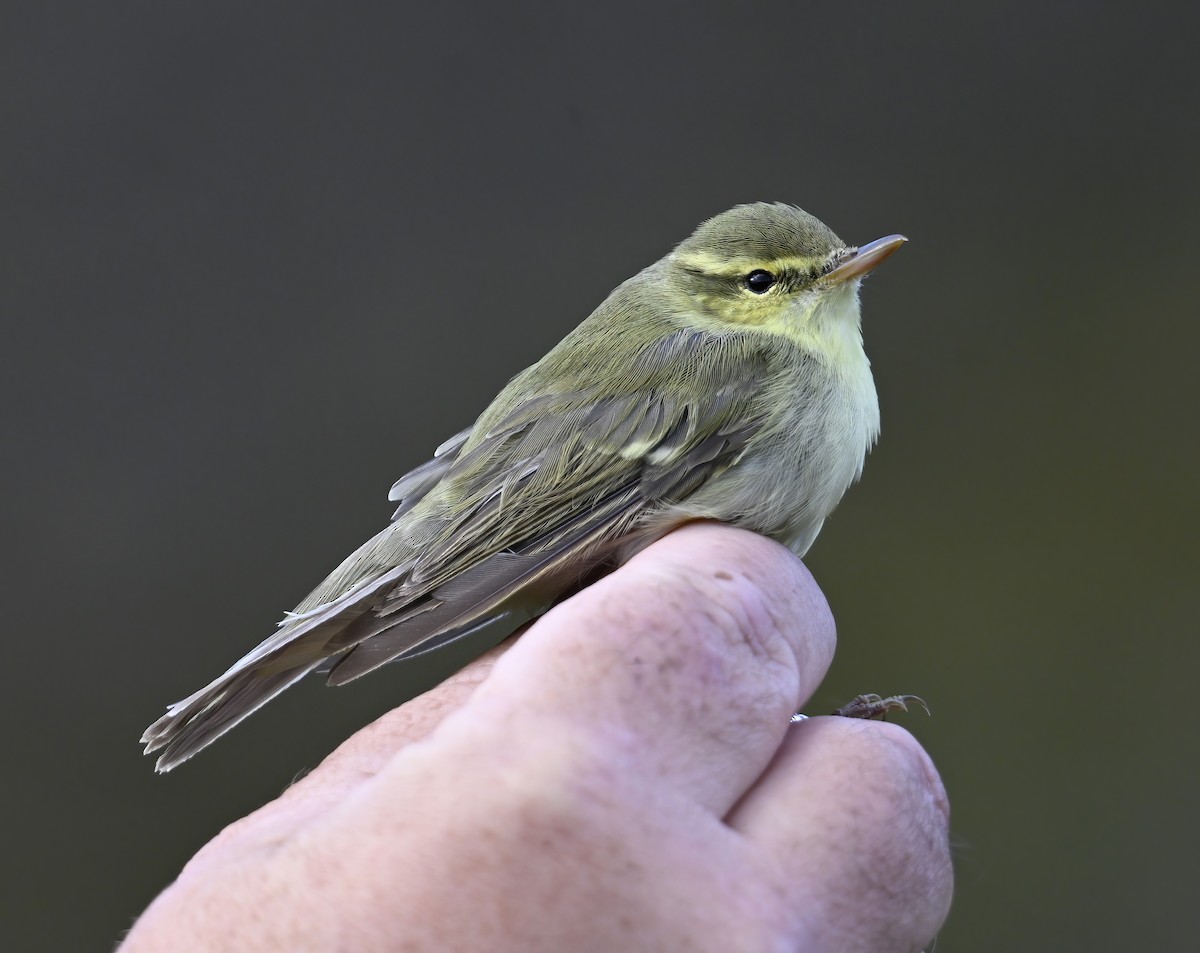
{"x":366,"y":751}
{"x":854,"y":819}
{"x":682,"y":666}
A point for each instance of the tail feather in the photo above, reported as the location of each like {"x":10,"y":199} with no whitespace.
{"x":277,"y":663}
{"x":199,"y":720}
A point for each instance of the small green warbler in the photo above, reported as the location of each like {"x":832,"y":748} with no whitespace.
{"x":726,"y":381}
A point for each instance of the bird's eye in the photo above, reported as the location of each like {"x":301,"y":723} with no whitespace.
{"x":759,"y":281}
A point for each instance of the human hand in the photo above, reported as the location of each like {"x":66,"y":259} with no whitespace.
{"x":622,"y":777}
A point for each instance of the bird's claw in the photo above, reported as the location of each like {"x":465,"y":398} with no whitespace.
{"x":872,"y":707}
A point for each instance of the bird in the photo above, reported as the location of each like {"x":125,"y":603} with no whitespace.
{"x":726,"y":381}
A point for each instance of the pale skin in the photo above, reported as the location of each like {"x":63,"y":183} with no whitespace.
{"x":622,"y":777}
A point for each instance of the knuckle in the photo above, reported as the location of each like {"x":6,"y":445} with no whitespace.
{"x":731,"y":664}
{"x":889,"y":774}
{"x":905,"y":805}
{"x":892,"y":855}
{"x":551,"y":787}
{"x":731,"y":611}
{"x":907,"y":765}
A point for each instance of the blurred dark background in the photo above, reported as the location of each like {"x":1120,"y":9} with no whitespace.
{"x":259,"y":259}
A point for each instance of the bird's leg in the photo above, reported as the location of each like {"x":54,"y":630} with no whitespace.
{"x":872,"y":707}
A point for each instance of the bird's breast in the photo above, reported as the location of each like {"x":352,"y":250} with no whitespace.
{"x":821,"y":422}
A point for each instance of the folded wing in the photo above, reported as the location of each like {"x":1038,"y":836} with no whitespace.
{"x":505,"y":519}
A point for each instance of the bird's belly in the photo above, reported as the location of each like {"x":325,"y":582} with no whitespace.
{"x":793,"y":475}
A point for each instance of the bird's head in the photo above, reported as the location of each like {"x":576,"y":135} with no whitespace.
{"x":776,"y":268}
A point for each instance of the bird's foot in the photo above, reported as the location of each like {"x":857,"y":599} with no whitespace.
{"x":873,"y":707}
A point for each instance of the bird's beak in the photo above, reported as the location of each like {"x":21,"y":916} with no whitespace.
{"x":864,"y":259}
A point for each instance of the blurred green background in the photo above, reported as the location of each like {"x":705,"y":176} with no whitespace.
{"x":259,"y":259}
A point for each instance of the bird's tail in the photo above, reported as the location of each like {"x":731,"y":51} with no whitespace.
{"x":382,"y":619}
{"x":301,"y":645}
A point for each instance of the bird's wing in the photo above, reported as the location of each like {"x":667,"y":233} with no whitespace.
{"x":411,"y":488}
{"x":493,"y":530}
{"x":537,"y":504}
